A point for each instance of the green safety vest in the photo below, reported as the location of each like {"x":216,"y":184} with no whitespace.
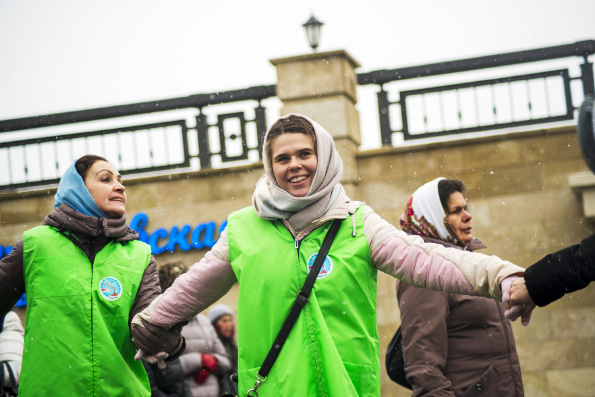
{"x":332,"y":349}
{"x":77,"y":338}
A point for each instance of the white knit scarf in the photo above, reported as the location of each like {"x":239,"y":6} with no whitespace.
{"x":272,"y":202}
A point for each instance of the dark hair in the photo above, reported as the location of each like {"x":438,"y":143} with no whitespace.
{"x":446,"y":187}
{"x":169,"y":271}
{"x":291,"y":124}
{"x":84,"y":163}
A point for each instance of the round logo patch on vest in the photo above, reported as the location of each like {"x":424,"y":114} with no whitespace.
{"x":327,"y":265}
{"x":110,"y":288}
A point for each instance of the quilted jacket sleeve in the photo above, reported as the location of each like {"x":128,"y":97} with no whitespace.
{"x":11,"y":344}
{"x":191,"y":293}
{"x":433,"y":266}
{"x":12,"y":280}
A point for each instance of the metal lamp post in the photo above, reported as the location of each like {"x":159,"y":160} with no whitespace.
{"x":313,"y":31}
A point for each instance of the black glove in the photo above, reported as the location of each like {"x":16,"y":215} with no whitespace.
{"x":153,"y":339}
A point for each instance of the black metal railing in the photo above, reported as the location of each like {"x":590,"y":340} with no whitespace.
{"x":206,"y":136}
{"x":480,"y":105}
{"x":137,"y":148}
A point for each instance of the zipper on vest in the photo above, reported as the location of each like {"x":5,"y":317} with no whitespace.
{"x":93,"y":371}
{"x":93,"y":247}
{"x":100,"y":232}
{"x":92,"y":252}
{"x":297,"y":244}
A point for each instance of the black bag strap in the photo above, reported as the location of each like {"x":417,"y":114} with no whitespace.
{"x":229,"y":385}
{"x":14,"y":387}
{"x":302,"y":298}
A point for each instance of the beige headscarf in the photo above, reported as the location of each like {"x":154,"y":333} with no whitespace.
{"x":272,"y":202}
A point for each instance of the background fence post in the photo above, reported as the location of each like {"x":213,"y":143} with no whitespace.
{"x":587,"y":78}
{"x":202,"y":130}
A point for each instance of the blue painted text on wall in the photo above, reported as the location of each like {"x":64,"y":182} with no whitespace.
{"x":185,"y":238}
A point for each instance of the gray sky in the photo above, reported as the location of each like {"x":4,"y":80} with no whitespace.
{"x":64,"y":55}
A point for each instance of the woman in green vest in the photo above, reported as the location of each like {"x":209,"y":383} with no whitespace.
{"x":269,"y":247}
{"x":86,"y":275}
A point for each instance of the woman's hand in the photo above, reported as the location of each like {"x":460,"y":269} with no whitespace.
{"x":519,"y":295}
{"x":209,"y":363}
{"x":158,"y":358}
{"x":517,"y":299}
{"x":152,"y":339}
{"x":157,"y":344}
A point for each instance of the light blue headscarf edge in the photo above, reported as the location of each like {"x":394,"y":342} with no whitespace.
{"x":73,"y":192}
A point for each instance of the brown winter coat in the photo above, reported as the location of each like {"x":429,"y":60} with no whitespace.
{"x":456,"y":345}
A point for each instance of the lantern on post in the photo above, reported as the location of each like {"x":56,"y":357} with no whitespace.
{"x":313,"y":31}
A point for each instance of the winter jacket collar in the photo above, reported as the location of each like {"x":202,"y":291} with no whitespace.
{"x":66,"y":218}
{"x":340,"y":209}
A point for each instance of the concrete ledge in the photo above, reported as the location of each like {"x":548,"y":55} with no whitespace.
{"x":467,"y":139}
{"x":139,"y":179}
{"x":583,"y":184}
{"x":316,"y":56}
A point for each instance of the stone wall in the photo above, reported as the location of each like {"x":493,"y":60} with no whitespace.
{"x":523,"y":208}
{"x":519,"y":195}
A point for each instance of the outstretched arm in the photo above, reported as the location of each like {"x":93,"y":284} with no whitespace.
{"x":191,"y":293}
{"x":433,"y":266}
{"x":559,"y":273}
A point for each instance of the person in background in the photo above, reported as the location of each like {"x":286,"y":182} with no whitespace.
{"x":556,"y":274}
{"x":196,"y":372}
{"x":11,"y":349}
{"x":453,"y":345}
{"x":221,"y":316}
{"x":269,"y":247}
{"x":205,"y":360}
{"x":86,"y":275}
{"x":168,"y":381}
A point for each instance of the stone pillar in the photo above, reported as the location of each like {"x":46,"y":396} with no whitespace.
{"x":322,"y":86}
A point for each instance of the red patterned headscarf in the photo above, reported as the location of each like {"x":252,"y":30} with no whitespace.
{"x":411,"y":224}
{"x":424,"y":215}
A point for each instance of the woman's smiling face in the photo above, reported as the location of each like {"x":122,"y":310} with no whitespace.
{"x":294,"y":162}
{"x":104,"y":183}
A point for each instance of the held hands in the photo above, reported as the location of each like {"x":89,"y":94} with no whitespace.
{"x":156,"y":343}
{"x":209,"y":363}
{"x":517,"y":299}
{"x":519,"y":295}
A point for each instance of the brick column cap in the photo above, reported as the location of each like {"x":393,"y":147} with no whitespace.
{"x":315,"y":56}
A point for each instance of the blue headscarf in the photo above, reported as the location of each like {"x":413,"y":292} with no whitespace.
{"x":73,"y":192}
